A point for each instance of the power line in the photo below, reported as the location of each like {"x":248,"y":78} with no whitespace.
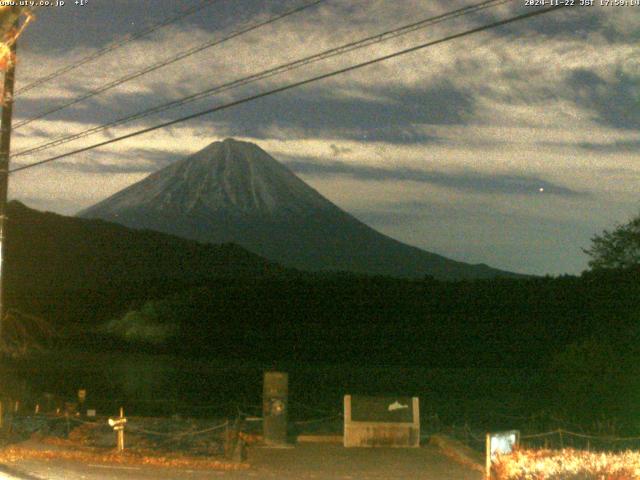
{"x":269,"y":73}
{"x":180,"y":56}
{"x":283,"y":68}
{"x":114,"y":46}
{"x":295,"y":85}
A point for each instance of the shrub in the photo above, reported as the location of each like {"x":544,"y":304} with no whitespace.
{"x":567,"y":464}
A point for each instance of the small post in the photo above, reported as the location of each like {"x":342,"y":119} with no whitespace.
{"x":16,"y":406}
{"x":118,"y":426}
{"x":37,"y":411}
{"x":121,"y":432}
{"x":235,"y":446}
{"x":488,"y":457}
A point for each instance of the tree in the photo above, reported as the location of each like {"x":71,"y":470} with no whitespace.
{"x":619,"y":248}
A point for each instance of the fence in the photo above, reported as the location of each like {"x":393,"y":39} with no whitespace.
{"x":562,"y":438}
{"x":222,"y":430}
{"x":542,"y":430}
{"x":537,"y":431}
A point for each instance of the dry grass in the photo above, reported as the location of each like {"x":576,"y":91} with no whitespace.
{"x":567,"y":464}
{"x":110,"y":457}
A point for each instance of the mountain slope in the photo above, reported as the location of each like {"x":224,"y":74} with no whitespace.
{"x":50,"y":251}
{"x":234,"y":191}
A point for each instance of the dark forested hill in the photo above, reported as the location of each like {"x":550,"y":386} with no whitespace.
{"x":54,"y":264}
{"x":343,"y":318}
{"x":225,"y":302}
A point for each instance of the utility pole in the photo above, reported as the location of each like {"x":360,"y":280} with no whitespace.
{"x":5,"y":151}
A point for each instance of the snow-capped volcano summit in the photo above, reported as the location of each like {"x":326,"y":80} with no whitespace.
{"x":230,"y":176}
{"x":234,"y":191}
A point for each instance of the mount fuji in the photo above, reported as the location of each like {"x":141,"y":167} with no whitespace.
{"x":233,"y":191}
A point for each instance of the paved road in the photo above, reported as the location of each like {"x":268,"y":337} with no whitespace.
{"x":304,"y":462}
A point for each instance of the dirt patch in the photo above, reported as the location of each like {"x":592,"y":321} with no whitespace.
{"x":60,"y":450}
{"x":191,"y":437}
{"x":458,"y":452}
{"x":159,"y":442}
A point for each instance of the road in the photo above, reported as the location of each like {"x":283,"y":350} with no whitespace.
{"x":302,"y":462}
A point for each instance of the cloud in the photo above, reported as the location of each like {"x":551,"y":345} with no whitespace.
{"x":613,"y":147}
{"x":446,"y":84}
{"x":336,"y":150}
{"x":616,"y":101}
{"x":572,"y":23}
{"x":392,"y":117}
{"x":134,"y":161}
{"x":471,"y":181}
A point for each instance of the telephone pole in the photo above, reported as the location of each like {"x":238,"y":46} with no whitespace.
{"x":5,"y":151}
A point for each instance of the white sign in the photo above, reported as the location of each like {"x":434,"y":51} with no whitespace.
{"x":503,"y":442}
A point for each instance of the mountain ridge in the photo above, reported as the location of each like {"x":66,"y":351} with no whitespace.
{"x":45,"y":248}
{"x":233,"y":191}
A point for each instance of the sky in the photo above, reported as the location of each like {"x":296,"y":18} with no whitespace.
{"x":511,"y":147}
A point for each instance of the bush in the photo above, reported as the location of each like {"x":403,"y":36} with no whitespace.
{"x":142,"y":326}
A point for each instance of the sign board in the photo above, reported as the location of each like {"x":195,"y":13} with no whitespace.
{"x":381,"y":421}
{"x":500,"y":443}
